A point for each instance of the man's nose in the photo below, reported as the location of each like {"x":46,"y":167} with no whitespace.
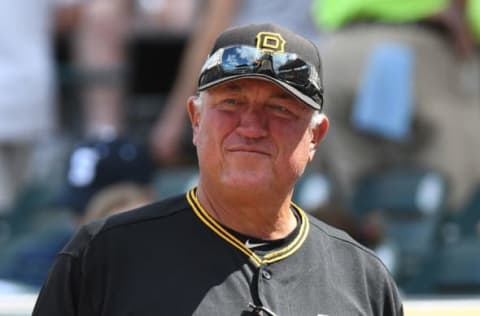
{"x":253,"y":124}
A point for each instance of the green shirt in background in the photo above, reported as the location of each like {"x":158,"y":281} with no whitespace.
{"x":333,"y":14}
{"x":473,"y":16}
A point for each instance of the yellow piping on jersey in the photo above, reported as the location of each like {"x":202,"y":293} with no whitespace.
{"x":295,"y":244}
{"x":271,"y":257}
{"x":218,"y":229}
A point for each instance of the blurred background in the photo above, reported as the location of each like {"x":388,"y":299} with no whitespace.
{"x":93,"y":122}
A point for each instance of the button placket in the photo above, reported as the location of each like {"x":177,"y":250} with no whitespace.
{"x":267,"y":275}
{"x":261,"y":307}
{"x":264,"y":275}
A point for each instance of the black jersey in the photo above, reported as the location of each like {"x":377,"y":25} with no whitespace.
{"x":173,"y":258}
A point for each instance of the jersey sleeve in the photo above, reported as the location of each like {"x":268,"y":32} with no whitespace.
{"x":63,"y":293}
{"x":392,"y":301}
{"x":58,"y":295}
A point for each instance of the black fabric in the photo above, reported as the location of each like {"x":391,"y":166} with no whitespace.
{"x":163,"y":260}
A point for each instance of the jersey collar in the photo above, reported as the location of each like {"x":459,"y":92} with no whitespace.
{"x":256,"y":259}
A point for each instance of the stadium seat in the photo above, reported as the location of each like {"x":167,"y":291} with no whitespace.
{"x":457,"y":268}
{"x":469,"y":216}
{"x":411,"y":202}
{"x":27,"y":210}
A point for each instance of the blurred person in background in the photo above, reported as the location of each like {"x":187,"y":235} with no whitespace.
{"x":117,"y":198}
{"x":103,"y":177}
{"x":95,"y":164}
{"x":171,"y":129}
{"x":28,"y":108}
{"x":101,"y":55}
{"x":395,"y":76}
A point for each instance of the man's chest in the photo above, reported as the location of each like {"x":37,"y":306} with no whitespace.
{"x":223,"y":289}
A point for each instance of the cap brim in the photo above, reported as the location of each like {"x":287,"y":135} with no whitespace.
{"x":296,"y":93}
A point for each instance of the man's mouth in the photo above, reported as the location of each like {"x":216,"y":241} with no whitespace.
{"x":248,"y":150}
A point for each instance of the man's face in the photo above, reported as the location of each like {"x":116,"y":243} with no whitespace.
{"x":250,"y":134}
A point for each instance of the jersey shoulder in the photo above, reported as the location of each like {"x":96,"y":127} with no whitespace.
{"x":358,"y":267}
{"x":339,"y":239}
{"x":157,"y":211}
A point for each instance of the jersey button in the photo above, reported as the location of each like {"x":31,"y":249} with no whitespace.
{"x":266,"y":275}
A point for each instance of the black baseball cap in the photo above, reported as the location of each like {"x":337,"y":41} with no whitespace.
{"x":95,"y":164}
{"x":275,"y":41}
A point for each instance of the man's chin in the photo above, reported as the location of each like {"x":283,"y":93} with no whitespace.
{"x":247,"y":179}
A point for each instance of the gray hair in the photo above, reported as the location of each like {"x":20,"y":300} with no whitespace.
{"x":198,"y":100}
{"x":316,"y":119}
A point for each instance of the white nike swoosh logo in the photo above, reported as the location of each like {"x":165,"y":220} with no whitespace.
{"x":249,"y":244}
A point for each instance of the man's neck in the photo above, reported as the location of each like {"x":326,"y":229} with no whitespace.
{"x":250,"y":214}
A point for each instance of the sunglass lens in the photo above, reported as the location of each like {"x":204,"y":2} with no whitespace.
{"x":239,"y":59}
{"x":291,"y":69}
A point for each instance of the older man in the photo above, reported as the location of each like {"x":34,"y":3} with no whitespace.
{"x":236,"y":244}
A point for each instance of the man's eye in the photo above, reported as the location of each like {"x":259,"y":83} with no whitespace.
{"x":230,"y":101}
{"x":280,"y":108}
{"x":229,"y":104}
{"x":282,"y":111}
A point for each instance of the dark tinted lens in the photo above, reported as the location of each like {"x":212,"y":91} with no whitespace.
{"x":240,"y":59}
{"x":289,"y":68}
{"x":210,"y":75}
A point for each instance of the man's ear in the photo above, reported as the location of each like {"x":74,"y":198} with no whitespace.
{"x":194,"y":115}
{"x":318,"y":133}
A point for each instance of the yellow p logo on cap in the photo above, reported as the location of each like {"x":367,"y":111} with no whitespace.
{"x":270,"y":42}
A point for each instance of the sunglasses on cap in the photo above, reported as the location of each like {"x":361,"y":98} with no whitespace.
{"x":284,"y":68}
